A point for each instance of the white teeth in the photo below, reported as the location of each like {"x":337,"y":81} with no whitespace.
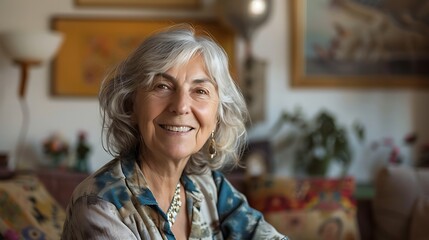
{"x":177,"y":129}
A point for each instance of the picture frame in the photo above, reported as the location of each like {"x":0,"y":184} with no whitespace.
{"x":92,"y":46}
{"x":140,"y":3}
{"x":334,"y":46}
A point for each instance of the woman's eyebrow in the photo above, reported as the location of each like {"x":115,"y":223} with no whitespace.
{"x":195,"y":81}
{"x":202,"y":80}
{"x":167,"y":76}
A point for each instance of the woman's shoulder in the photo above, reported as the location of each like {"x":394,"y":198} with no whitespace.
{"x":207,"y":178}
{"x":106,"y":179}
{"x":208,"y":182}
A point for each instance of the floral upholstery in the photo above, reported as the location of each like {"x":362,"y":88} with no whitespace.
{"x":27,"y":210}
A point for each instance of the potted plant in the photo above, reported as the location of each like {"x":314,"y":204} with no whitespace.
{"x":317,"y":142}
{"x":56,"y":149}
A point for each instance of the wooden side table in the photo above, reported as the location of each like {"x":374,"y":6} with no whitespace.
{"x":60,"y":183}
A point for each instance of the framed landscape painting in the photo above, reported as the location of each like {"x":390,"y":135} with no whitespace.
{"x":354,"y":43}
{"x":93,"y":46}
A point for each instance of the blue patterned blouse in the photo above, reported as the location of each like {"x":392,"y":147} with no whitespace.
{"x":115,"y":203}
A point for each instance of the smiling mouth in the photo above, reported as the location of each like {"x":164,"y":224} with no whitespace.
{"x":176,"y":128}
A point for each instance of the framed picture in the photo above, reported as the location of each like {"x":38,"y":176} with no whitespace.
{"x":93,"y":46}
{"x":347,"y":43}
{"x":140,"y":3}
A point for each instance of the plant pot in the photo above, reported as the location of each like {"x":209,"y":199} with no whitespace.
{"x":317,"y":167}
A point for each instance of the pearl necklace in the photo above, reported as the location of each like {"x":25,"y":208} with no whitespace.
{"x":175,"y":205}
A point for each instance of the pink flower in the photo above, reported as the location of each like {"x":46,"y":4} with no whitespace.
{"x":10,"y":234}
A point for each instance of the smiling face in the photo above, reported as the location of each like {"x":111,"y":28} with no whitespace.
{"x":178,"y":112}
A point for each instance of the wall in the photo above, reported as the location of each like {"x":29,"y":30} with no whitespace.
{"x":383,"y":112}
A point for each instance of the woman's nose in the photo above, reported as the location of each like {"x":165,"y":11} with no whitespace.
{"x":180,"y":103}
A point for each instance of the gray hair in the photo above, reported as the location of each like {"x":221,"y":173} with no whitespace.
{"x":156,"y":54}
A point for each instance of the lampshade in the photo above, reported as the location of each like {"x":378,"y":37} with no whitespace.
{"x":245,"y":16}
{"x":30,"y":46}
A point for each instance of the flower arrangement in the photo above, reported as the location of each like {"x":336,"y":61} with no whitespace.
{"x":388,"y":146}
{"x":56,"y":148}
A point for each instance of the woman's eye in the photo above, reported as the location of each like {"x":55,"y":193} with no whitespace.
{"x":202,"y":91}
{"x":162,"y":86}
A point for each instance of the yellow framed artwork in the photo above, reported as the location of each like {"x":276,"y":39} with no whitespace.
{"x":345,"y":43}
{"x":93,"y":46}
{"x":140,"y":3}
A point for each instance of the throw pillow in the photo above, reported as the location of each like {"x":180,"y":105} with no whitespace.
{"x":27,"y":210}
{"x":312,"y":208}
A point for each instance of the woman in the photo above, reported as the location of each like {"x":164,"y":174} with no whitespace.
{"x":172,"y":116}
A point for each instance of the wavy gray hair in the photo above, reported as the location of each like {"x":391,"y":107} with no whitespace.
{"x":156,"y":54}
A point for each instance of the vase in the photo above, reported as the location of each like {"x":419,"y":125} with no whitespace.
{"x":81,"y":164}
{"x":318,"y":167}
{"x":56,"y":160}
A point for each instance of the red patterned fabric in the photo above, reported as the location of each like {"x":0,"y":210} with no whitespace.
{"x":307,"y":208}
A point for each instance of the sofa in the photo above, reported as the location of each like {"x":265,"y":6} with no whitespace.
{"x":400,"y":207}
{"x":28,"y":210}
{"x":301,"y":208}
{"x":306,"y":208}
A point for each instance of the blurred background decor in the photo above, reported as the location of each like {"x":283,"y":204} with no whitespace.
{"x":304,"y":208}
{"x":28,"y":49}
{"x":245,"y":17}
{"x":98,"y":44}
{"x":391,"y":152}
{"x":384,"y":111}
{"x":257,"y":159}
{"x":82,"y":153}
{"x":316,"y":142}
{"x":56,"y":149}
{"x":423,"y":158}
{"x":360,"y":43}
{"x":140,"y":3}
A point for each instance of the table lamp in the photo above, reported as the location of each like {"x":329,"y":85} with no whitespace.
{"x":28,"y":49}
{"x":245,"y":17}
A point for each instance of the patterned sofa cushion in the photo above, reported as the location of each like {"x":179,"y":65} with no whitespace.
{"x":27,"y":210}
{"x":309,"y":208}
